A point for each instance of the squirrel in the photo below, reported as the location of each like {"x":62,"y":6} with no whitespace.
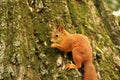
{"x":81,"y":50}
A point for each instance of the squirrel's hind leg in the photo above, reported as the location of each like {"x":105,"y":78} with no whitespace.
{"x":70,"y":66}
{"x":77,"y":57}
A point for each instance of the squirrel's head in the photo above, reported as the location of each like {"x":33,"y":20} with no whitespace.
{"x":59,"y":34}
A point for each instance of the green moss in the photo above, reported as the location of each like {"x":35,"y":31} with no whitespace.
{"x":26,"y":37}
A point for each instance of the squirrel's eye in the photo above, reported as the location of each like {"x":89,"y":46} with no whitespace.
{"x":56,"y":35}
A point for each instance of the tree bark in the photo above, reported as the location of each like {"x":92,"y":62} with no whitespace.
{"x":25,"y":32}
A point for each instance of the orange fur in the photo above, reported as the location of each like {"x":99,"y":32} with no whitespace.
{"x":81,"y":51}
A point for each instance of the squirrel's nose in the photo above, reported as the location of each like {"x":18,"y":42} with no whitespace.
{"x":52,"y":40}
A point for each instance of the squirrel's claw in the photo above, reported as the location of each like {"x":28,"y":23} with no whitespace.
{"x":70,"y":66}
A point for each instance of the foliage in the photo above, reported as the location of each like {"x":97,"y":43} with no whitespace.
{"x":113,"y":4}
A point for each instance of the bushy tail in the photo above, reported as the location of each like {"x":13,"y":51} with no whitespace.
{"x":89,"y":71}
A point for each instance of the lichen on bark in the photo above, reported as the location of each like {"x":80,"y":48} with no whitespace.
{"x":25,"y":32}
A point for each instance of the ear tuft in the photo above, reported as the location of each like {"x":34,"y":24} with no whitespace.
{"x":60,"y":28}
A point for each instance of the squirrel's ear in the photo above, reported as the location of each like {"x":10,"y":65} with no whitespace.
{"x":60,"y":28}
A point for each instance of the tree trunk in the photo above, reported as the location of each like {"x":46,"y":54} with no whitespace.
{"x":25,"y":32}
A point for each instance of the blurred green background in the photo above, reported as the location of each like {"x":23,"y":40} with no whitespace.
{"x":114,"y":5}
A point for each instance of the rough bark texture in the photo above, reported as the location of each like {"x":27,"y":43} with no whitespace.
{"x":25,"y":31}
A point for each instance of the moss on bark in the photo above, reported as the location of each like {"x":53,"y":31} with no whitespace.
{"x":25,"y":32}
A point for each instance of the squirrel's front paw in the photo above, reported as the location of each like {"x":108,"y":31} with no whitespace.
{"x":53,"y":45}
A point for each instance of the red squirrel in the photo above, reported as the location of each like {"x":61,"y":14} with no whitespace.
{"x":81,"y":51}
